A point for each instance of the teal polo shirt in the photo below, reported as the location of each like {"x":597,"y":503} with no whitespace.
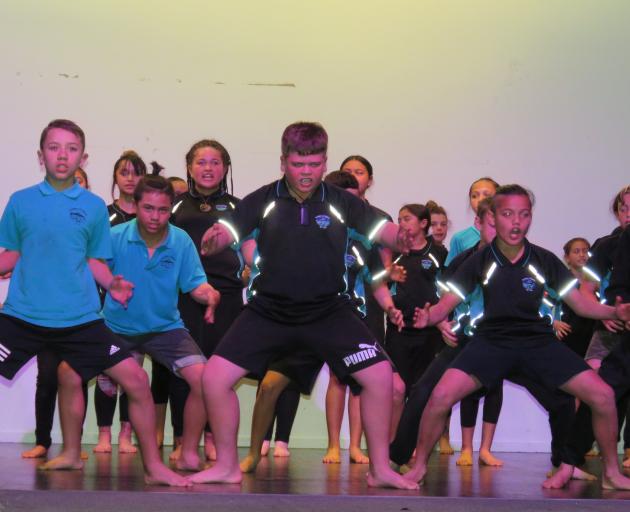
{"x":462,"y":240}
{"x":175,"y":266}
{"x":55,"y":233}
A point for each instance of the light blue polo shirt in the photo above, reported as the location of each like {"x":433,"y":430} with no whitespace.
{"x":55,"y":233}
{"x":461,"y":241}
{"x":175,"y":266}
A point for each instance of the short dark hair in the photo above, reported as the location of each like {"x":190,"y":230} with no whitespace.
{"x":341,"y":179}
{"x":484,"y":206}
{"x":513,"y":190}
{"x":139,"y":167}
{"x":364,"y":161}
{"x":618,"y":199}
{"x":63,"y":124}
{"x":420,"y":211}
{"x":152,"y":183}
{"x":304,"y":138}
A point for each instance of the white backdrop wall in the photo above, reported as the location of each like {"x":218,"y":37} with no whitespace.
{"x":434,"y":93}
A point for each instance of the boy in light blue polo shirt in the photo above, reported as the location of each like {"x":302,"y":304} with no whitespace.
{"x":161,"y":260}
{"x":55,"y":236}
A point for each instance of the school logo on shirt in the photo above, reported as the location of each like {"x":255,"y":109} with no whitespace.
{"x":167,"y":262}
{"x":529,"y":284}
{"x":368,"y":352}
{"x":426,"y":264}
{"x":350,"y":260}
{"x":221,"y":207}
{"x":78,"y":215}
{"x":323,"y":221}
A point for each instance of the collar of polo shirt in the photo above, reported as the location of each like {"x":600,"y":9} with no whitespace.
{"x":73,"y":192}
{"x":318,"y":195}
{"x":503,"y":261}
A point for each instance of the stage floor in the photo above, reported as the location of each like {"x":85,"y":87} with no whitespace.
{"x":300,"y":482}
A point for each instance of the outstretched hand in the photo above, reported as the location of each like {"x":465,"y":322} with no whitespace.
{"x":121,"y":290}
{"x":214,"y":240}
{"x":395,"y":316}
{"x":404,"y":240}
{"x":562,"y":329}
{"x":446,"y":330}
{"x":421,"y":317}
{"x":397,"y":273}
{"x":622,"y":310}
{"x":212,"y":300}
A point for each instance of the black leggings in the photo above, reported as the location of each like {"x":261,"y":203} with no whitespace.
{"x":491,"y":407}
{"x":46,"y":396}
{"x":286,"y":409}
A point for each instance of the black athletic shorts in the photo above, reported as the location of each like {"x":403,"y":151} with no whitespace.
{"x":546,"y":360}
{"x":340,"y":339}
{"x":88,"y":348}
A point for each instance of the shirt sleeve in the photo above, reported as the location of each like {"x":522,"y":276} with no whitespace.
{"x":454,"y":250}
{"x":558,"y":275}
{"x":467,"y":275}
{"x":362,"y":218}
{"x":620,"y":277}
{"x":245,"y":217}
{"x":191,"y":273}
{"x":10,"y":238}
{"x":100,"y":241}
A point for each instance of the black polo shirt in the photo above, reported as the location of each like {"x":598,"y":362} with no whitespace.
{"x":195,"y":213}
{"x":420,"y":287}
{"x":601,"y":262}
{"x":117,"y":215}
{"x":364,"y":266}
{"x":300,"y":266}
{"x":620,"y":276}
{"x":513,"y":292}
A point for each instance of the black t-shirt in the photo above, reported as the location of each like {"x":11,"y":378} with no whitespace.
{"x":513,"y":292}
{"x":300,"y":267}
{"x":602,"y":261}
{"x":117,"y":215}
{"x":620,"y":276}
{"x":194,"y":214}
{"x":420,"y":287}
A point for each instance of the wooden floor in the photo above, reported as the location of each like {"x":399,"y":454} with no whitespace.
{"x":299,"y":481}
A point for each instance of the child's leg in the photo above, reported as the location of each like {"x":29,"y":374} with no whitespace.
{"x":491,"y":409}
{"x":356,"y":430}
{"x":335,"y":405}
{"x":160,"y":382}
{"x":219,"y":378}
{"x":45,"y":400}
{"x":71,"y":412}
{"x":135,"y":382}
{"x":399,"y":391}
{"x":468,"y":409}
{"x":268,"y":392}
{"x":125,"y":443}
{"x":194,"y":418}
{"x":376,"y":404}
{"x":454,"y":385}
{"x":105,"y":398}
{"x":286,"y":409}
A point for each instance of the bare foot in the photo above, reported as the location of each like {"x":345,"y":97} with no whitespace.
{"x":264,"y":450}
{"x":208,"y":446}
{"x":84,"y":455}
{"x":580,"y":474}
{"x":390,"y":478}
{"x":125,"y":444}
{"x":104,"y":444}
{"x":593,"y":452}
{"x":217,"y":475}
{"x":62,"y":462}
{"x":358,"y":457}
{"x":249,"y":463}
{"x":175,"y":454}
{"x":161,"y":475}
{"x":332,"y":456}
{"x":465,"y":459}
{"x":615,"y":481}
{"x":445,"y":445}
{"x":416,"y":473}
{"x":487,"y":459}
{"x":188,"y":462}
{"x":35,"y":453}
{"x":560,"y":478}
{"x":281,"y":449}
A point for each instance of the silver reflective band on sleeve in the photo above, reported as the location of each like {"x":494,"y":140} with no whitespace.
{"x":536,"y":274}
{"x":591,"y":274}
{"x":437,"y":264}
{"x":491,"y":270}
{"x":547,"y":302}
{"x":379,"y":275}
{"x":176,"y":207}
{"x":397,"y":259}
{"x":231,"y":229}
{"x":474,"y":320}
{"x":336,"y":213}
{"x":257,"y":260}
{"x":455,"y":328}
{"x":454,"y":289}
{"x":442,"y":286}
{"x":568,"y":288}
{"x":270,"y":207}
{"x":358,"y":255}
{"x":376,"y":229}
{"x":112,"y":217}
{"x":232,"y":205}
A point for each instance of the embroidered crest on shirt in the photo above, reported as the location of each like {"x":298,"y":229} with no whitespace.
{"x":323,"y":221}
{"x":426,"y":264}
{"x":78,"y":215}
{"x":529,"y":284}
{"x":350,"y":260}
{"x":167,"y":262}
{"x":221,"y":207}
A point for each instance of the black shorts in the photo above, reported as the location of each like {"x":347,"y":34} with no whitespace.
{"x":340,"y":339}
{"x":88,"y":348}
{"x":547,"y":360}
{"x":301,"y":367}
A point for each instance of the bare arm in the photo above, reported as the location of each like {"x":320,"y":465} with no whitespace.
{"x":384,"y":299}
{"x":119,"y":289}
{"x":8,"y":259}
{"x":393,"y":237}
{"x":585,"y":307}
{"x":588,"y":289}
{"x":207,"y":295}
{"x":432,"y":315}
{"x":215,"y":239}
